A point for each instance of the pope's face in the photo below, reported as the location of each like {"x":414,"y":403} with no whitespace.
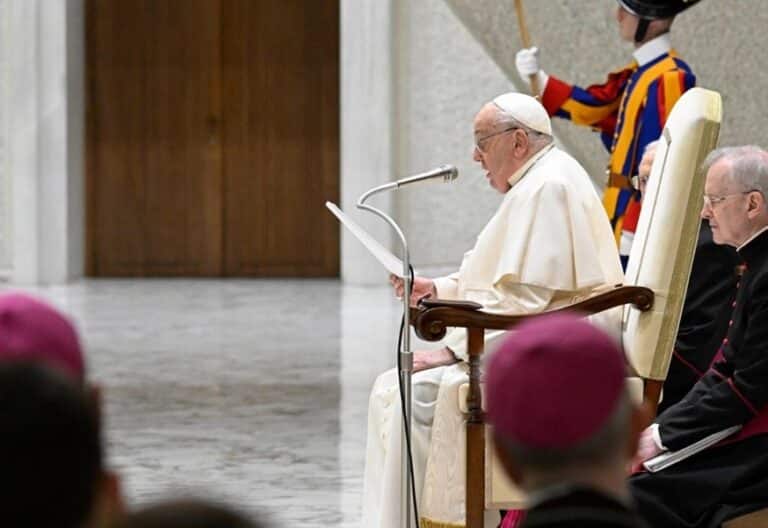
{"x":494,"y":147}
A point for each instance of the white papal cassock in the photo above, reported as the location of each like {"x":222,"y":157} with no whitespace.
{"x":548,"y":245}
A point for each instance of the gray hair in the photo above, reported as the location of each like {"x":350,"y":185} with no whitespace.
{"x":505,"y":119}
{"x":653,"y":145}
{"x":599,"y":448}
{"x":748,"y":166}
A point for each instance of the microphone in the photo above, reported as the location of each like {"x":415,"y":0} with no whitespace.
{"x":447,"y":172}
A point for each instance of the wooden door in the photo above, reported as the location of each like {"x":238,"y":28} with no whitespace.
{"x":213,"y":133}
{"x":154,"y":185}
{"x":281,"y":136}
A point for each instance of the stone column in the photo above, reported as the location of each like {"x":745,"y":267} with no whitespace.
{"x":43,"y":60}
{"x":367,"y":120}
{"x":5,"y":181}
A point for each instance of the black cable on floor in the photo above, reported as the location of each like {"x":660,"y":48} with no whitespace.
{"x":406,"y":426}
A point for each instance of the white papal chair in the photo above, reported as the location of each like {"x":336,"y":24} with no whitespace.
{"x":653,"y":294}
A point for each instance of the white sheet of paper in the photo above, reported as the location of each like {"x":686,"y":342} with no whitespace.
{"x":390,"y":262}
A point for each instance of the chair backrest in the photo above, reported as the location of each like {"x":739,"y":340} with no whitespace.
{"x":667,"y":230}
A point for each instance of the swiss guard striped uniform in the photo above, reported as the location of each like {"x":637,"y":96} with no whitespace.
{"x":629,"y":110}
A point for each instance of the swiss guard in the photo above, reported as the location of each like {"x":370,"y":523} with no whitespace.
{"x":630,"y":108}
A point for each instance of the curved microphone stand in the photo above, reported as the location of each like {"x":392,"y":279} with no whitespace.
{"x":406,"y":355}
{"x":447,"y":173}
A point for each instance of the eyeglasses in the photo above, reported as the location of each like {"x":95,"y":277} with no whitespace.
{"x":639,"y":181}
{"x":712,"y":200}
{"x":479,"y":142}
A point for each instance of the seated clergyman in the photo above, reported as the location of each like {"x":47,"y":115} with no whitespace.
{"x":707,"y":307}
{"x":730,"y":478}
{"x":549,"y":244}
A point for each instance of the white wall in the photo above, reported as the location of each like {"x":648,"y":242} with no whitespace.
{"x":43,"y":65}
{"x":6,"y":254}
{"x":75,"y":214}
{"x":444,"y":79}
{"x":412,"y":80}
{"x":367,"y":121}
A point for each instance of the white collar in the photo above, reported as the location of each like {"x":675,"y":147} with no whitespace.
{"x":519,"y":173}
{"x":754,"y":236}
{"x":652,"y":49}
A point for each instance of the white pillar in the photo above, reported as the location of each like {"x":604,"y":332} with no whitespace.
{"x":75,"y":43}
{"x":5,"y":182}
{"x":44,"y":57}
{"x":367,"y":125}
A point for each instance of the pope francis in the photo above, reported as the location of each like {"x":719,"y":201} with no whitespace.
{"x":548,"y":245}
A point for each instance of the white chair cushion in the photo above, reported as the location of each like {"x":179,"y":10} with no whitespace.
{"x":661,"y":257}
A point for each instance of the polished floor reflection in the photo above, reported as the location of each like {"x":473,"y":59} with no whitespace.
{"x":251,"y":391}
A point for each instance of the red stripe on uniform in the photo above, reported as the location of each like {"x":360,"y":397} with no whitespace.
{"x":631,"y":215}
{"x":661,"y":105}
{"x":738,"y":393}
{"x":613,"y":87}
{"x":682,"y":360}
{"x":681,"y":83}
{"x":555,"y":94}
{"x":742,"y":397}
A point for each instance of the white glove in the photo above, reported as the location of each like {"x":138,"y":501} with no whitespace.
{"x":527,"y":63}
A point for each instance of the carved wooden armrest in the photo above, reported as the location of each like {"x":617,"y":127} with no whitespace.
{"x":433,"y":317}
{"x":460,"y":305}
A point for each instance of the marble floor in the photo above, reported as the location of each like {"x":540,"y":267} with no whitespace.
{"x":249,"y":391}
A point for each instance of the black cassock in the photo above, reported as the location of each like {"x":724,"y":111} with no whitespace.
{"x":732,"y":478}
{"x":704,"y":322}
{"x":581,"y":508}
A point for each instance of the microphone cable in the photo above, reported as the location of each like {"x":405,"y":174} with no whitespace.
{"x":406,"y":425}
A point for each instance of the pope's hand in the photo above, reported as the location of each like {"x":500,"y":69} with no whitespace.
{"x":527,"y":62}
{"x":422,"y":288}
{"x":427,"y":359}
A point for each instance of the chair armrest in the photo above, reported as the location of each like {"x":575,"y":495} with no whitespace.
{"x":433,"y":317}
{"x":460,"y":305}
